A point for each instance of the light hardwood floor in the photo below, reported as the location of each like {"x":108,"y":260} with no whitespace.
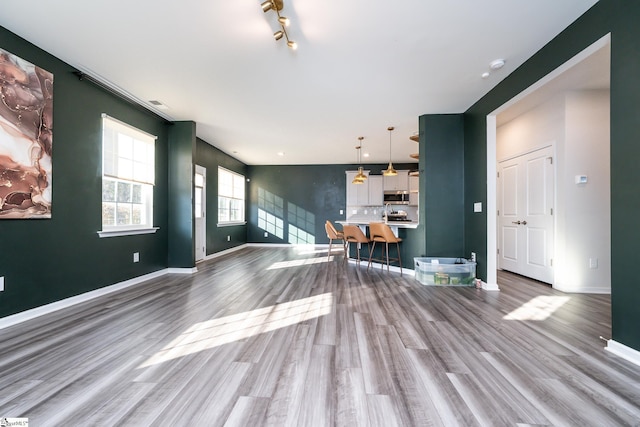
{"x":279,"y":337}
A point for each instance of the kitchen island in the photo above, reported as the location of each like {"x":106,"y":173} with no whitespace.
{"x":402,"y":229}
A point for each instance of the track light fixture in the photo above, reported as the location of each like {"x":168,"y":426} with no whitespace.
{"x":283,"y":21}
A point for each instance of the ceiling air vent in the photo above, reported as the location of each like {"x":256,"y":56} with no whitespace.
{"x":158,"y":105}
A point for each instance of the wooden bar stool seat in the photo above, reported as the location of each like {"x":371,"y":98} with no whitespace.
{"x":334,"y":234}
{"x":380,"y":232}
{"x":353,"y":234}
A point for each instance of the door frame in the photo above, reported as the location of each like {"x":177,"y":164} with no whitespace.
{"x":202,"y":171}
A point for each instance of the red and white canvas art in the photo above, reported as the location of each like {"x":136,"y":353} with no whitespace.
{"x":26,"y":130}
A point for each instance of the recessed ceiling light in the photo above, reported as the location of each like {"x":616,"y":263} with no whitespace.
{"x":485,"y":74}
{"x":365,"y":155}
{"x":280,"y":153}
{"x":497,"y":64}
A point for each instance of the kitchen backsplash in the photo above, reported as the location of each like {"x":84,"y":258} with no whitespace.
{"x":374,"y":213}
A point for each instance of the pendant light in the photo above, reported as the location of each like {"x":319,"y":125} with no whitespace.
{"x":360,"y":176}
{"x":390,"y":171}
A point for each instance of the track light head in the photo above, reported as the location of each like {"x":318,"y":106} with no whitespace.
{"x":278,"y":35}
{"x":293,"y":45}
{"x":267,"y":6}
{"x":284,"y":21}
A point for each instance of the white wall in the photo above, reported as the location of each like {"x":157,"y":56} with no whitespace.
{"x":576,"y":124}
{"x":538,"y":128}
{"x":587,"y":207}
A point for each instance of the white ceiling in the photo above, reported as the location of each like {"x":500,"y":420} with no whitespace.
{"x":360,"y":66}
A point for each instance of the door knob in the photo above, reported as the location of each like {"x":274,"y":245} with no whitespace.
{"x":524,"y":222}
{"x":516,"y":222}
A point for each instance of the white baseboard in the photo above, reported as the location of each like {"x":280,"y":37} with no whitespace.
{"x":225,"y":252}
{"x":191,"y":270}
{"x":623,"y":351}
{"x":23,"y":316}
{"x":584,"y":290}
{"x":283,"y":245}
{"x":377,"y":265}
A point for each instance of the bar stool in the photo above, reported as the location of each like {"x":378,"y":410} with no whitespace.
{"x":334,"y":234}
{"x":353,"y":234}
{"x":380,"y":232}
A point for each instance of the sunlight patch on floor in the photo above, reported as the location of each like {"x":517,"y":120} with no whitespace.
{"x":539,"y":308}
{"x":216,"y":332}
{"x":299,"y":262}
{"x":312,"y":250}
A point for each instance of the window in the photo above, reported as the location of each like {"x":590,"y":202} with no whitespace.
{"x":128,"y":174}
{"x":230,"y":197}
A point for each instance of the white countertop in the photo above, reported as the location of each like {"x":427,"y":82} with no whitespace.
{"x":392,"y":224}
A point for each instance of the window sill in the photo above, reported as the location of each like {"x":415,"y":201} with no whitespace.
{"x":231,"y":224}
{"x":130,"y":232}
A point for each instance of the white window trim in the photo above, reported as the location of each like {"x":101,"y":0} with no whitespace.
{"x":117,"y":231}
{"x":231,"y":224}
{"x":125,"y":232}
{"x":234,"y":223}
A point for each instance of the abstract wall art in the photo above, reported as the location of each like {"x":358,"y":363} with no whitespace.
{"x":26,"y":130}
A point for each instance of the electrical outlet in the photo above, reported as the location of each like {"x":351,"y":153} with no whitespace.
{"x":341,"y":212}
{"x":473,"y":257}
{"x":266,"y":234}
{"x":136,"y":256}
{"x":1,"y":283}
{"x":593,"y":262}
{"x":228,"y":238}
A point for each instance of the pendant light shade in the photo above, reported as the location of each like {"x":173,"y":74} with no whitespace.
{"x":390,"y":171}
{"x":360,"y":176}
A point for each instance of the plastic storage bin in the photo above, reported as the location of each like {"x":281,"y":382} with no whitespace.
{"x":445,"y":271}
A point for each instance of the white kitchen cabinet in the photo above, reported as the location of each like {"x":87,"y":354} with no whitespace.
{"x":357,"y":194}
{"x":399,"y":182}
{"x":375,"y":190}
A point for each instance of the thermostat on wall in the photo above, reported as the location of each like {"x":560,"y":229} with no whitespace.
{"x":581,"y":179}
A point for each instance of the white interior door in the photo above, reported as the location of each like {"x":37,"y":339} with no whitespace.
{"x":200,"y":213}
{"x":525,"y":215}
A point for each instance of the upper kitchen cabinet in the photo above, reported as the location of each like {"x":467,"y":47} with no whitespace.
{"x":357,"y":194}
{"x":399,"y":182}
{"x":375,"y":190}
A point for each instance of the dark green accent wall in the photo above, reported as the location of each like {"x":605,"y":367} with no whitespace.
{"x":210,"y":158}
{"x":475,"y":190}
{"x":318,"y":192}
{"x":47,"y":260}
{"x":620,"y":18}
{"x":182,"y":148}
{"x":442,"y":183}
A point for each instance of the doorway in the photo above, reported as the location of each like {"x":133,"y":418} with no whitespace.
{"x":200,"y":213}
{"x":581,"y":239}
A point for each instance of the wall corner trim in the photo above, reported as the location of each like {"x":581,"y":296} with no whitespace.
{"x":623,"y":351}
{"x":33,"y":313}
{"x":490,"y":286}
